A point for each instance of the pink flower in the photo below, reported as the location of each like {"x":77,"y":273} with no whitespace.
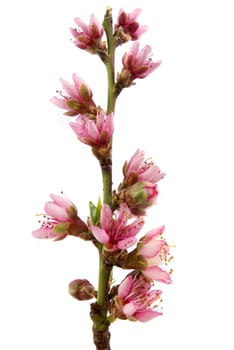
{"x":135,"y":299}
{"x":114,"y":233}
{"x":141,"y":169}
{"x":94,"y":133}
{"x":127,"y":21}
{"x":139,"y":189}
{"x":76,"y":99}
{"x":139,"y":196}
{"x":138,"y":63}
{"x":155,"y":252}
{"x":88,"y":36}
{"x":60,"y":210}
{"x":59,"y":220}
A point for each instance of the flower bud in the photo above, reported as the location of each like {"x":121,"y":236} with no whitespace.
{"x":82,"y":289}
{"x":140,"y":196}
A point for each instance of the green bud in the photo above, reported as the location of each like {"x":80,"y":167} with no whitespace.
{"x":137,"y":193}
{"x":82,"y":289}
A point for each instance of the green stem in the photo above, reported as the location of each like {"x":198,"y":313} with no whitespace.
{"x":107,"y":182}
{"x":110,"y":61}
{"x":99,"y":310}
{"x":103,"y":283}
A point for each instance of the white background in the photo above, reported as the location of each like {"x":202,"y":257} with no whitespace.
{"x":181,"y":115}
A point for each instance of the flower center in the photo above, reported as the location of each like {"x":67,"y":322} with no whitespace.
{"x":46,"y":221}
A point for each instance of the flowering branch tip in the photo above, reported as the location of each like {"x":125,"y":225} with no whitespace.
{"x":115,"y":223}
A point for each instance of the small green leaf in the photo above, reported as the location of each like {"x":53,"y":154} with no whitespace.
{"x":95,"y":212}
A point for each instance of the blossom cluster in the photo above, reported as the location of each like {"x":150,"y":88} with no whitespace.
{"x":117,"y":231}
{"x":113,"y":226}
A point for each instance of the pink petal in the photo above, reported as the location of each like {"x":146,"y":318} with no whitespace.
{"x":121,"y":221}
{"x":125,"y":287}
{"x":151,"y":248}
{"x":156,"y":64}
{"x":134,"y":49}
{"x":110,"y":123}
{"x":153,"y":66}
{"x":157,"y":274}
{"x":100,"y":234}
{"x":91,"y":129}
{"x":74,"y":33}
{"x":44,"y":232}
{"x":77,"y":81}
{"x":144,"y":316}
{"x":106,"y":217}
{"x":69,"y":88}
{"x":126,"y":243}
{"x":151,"y":190}
{"x":134,"y":14}
{"x":75,"y":127}
{"x":85,"y":129}
{"x":153,"y":174}
{"x":56,"y":211}
{"x":95,"y":21}
{"x":141,"y":30}
{"x":59,"y":102}
{"x":82,"y":25}
{"x":136,"y":161}
{"x":135,"y":227}
{"x":143,"y":54}
{"x":125,"y":59}
{"x":100,"y":120}
{"x":61,"y":201}
{"x":154,"y":233}
{"x":130,"y":308}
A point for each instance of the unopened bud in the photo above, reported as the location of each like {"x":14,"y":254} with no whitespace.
{"x":82,"y":289}
{"x":140,"y":196}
